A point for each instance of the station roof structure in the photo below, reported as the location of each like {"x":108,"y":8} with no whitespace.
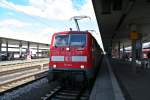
{"x":12,"y":41}
{"x":117,"y":18}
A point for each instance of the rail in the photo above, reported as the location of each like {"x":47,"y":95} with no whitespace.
{"x":9,"y":67}
{"x":14,"y":82}
{"x":69,"y":92}
{"x":20,"y":61}
{"x":15,"y":74}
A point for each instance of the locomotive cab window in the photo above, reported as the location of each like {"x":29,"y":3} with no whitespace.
{"x":78,"y":40}
{"x":61,"y":40}
{"x":70,"y":40}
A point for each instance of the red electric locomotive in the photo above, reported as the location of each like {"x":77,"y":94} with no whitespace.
{"x":73,"y":52}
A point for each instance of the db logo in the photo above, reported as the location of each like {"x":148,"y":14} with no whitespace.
{"x":67,"y":58}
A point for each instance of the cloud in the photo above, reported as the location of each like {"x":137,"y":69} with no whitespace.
{"x":49,"y":30}
{"x":43,"y":35}
{"x":50,"y":9}
{"x":9,"y":33}
{"x":47,"y":33}
{"x":87,"y":9}
{"x":14,"y":23}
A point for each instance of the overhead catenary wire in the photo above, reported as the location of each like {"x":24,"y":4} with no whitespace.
{"x":76,"y":18}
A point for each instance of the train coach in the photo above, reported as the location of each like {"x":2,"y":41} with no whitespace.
{"x":73,"y":53}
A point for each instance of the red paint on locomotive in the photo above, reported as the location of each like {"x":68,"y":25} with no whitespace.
{"x":72,"y":51}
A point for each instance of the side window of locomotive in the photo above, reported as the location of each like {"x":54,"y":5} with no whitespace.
{"x":61,"y":40}
{"x":93,"y":44}
{"x":78,"y":40}
{"x":96,"y":45}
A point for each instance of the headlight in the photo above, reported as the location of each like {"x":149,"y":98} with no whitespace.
{"x":82,"y":66}
{"x":54,"y":66}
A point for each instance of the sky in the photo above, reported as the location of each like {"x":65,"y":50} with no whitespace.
{"x":37,"y":20}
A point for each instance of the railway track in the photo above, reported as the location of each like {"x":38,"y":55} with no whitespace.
{"x":63,"y":90}
{"x":18,"y":81}
{"x":78,"y":91}
{"x":12,"y":67}
{"x":14,"y":74}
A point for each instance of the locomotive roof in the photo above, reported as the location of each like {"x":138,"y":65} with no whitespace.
{"x":72,"y":32}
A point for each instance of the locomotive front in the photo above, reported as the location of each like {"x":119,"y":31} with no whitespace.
{"x":70,"y":52}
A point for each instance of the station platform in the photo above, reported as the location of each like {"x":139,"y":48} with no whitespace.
{"x":106,"y":86}
{"x":135,"y":84}
{"x":116,"y":80}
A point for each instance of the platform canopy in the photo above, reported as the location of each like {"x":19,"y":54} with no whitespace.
{"x":12,"y":41}
{"x":118,"y":18}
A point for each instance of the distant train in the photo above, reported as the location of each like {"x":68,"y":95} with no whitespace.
{"x":73,"y":53}
{"x":146,"y":53}
{"x":128,"y":54}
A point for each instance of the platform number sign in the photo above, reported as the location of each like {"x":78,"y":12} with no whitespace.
{"x":134,"y":35}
